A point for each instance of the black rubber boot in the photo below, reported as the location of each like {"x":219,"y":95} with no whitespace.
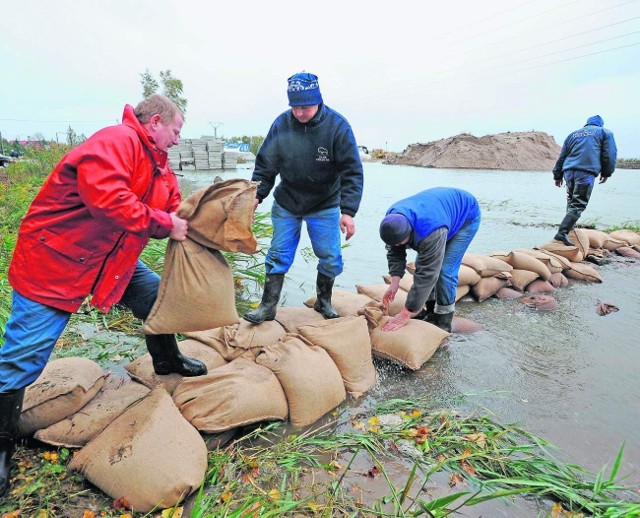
{"x":443,"y":321}
{"x":565,"y":227}
{"x":167,"y":358}
{"x":427,"y":313}
{"x":10,"y":408}
{"x":270,"y":298}
{"x":324,"y":287}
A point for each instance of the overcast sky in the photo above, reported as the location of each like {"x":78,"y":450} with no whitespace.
{"x":401,"y":72}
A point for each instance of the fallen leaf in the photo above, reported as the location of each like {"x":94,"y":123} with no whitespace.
{"x":335,"y":465}
{"x":373,"y":472}
{"x":556,"y":509}
{"x":455,"y":479}
{"x":12,"y":514}
{"x":226,"y":496}
{"x":88,"y":514}
{"x":121,"y":504}
{"x":172,"y":513}
{"x":274,"y":495}
{"x":479,"y":438}
{"x":468,"y":467}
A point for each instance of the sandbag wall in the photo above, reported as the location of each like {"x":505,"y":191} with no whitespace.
{"x":297,"y":367}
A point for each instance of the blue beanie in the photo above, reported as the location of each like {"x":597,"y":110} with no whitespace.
{"x":596,"y":120}
{"x":394,"y":229}
{"x":303,"y":90}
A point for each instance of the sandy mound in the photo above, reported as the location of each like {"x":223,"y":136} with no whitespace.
{"x":529,"y":150}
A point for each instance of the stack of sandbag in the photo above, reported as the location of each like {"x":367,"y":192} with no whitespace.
{"x":134,"y":442}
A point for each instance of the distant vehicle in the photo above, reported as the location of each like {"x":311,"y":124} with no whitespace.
{"x":5,"y":160}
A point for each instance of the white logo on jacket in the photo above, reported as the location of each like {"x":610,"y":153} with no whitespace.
{"x":323,"y":155}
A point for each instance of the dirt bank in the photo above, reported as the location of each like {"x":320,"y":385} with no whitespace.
{"x":527,"y":150}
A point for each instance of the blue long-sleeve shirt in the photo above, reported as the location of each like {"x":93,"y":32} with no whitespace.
{"x":318,"y":163}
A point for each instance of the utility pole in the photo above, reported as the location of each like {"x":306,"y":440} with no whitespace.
{"x":215,"y":126}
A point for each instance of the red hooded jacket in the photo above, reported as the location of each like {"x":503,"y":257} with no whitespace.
{"x":95,"y":213}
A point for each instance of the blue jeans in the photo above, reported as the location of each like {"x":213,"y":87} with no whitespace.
{"x":324,"y":232}
{"x":447,"y":284}
{"x":33,"y":329}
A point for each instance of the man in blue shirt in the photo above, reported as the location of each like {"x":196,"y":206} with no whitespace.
{"x":586,"y":153}
{"x":313,"y":150}
{"x":439,"y":224}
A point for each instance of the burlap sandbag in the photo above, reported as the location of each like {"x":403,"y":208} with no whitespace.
{"x":377,"y":291}
{"x":236,"y":394}
{"x":571,"y":253}
{"x":558,"y":280}
{"x":462,"y":291}
{"x":628,"y":236}
{"x":628,"y":251}
{"x":581,"y":240}
{"x":552,"y":263}
{"x":347,"y":342}
{"x":583,"y":272}
{"x":487,"y":287}
{"x":467,"y":275}
{"x":522,"y":261}
{"x":196,"y":291}
{"x":406,"y":281}
{"x":220,"y":216}
{"x":346,"y":303}
{"x":292,"y":318}
{"x":78,"y":429}
{"x":235,"y":340}
{"x":540,"y":286}
{"x":596,"y":237}
{"x":310,"y":378}
{"x":410,"y":346}
{"x":614,"y":244}
{"x":141,"y":369}
{"x":508,"y":294}
{"x":520,"y":279}
{"x":485,"y":265}
{"x":150,"y":455}
{"x":63,"y":387}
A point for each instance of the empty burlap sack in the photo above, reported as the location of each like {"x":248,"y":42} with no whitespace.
{"x":406,"y":281}
{"x":236,"y":394}
{"x":558,"y":280}
{"x":485,"y":265}
{"x":150,"y":455}
{"x":571,"y":253}
{"x":347,"y":342}
{"x":581,"y":240}
{"x":552,"y":263}
{"x":141,"y":369}
{"x":410,"y":346}
{"x":292,"y":318}
{"x":377,"y":291}
{"x":583,"y":272}
{"x":196,"y":291}
{"x":78,"y":429}
{"x":628,"y":236}
{"x":220,"y":216}
{"x":520,"y":279}
{"x":63,"y":387}
{"x":487,"y":287}
{"x":235,"y":340}
{"x":540,"y":286}
{"x":467,"y":275}
{"x":522,"y":261}
{"x":346,"y":303}
{"x":310,"y":378}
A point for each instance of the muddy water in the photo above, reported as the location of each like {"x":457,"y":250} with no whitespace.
{"x":570,"y":375}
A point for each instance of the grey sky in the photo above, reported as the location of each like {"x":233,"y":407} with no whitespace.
{"x":401,"y":72}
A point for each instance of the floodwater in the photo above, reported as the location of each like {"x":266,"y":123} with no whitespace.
{"x":569,"y":376}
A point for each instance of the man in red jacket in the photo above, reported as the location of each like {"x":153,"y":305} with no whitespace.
{"x":83,"y":236}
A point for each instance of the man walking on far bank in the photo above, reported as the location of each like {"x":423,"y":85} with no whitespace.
{"x":586,"y":153}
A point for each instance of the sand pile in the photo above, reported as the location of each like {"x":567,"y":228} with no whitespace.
{"x":529,"y":150}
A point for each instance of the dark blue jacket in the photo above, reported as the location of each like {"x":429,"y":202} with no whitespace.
{"x":318,"y":163}
{"x":591,"y":149}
